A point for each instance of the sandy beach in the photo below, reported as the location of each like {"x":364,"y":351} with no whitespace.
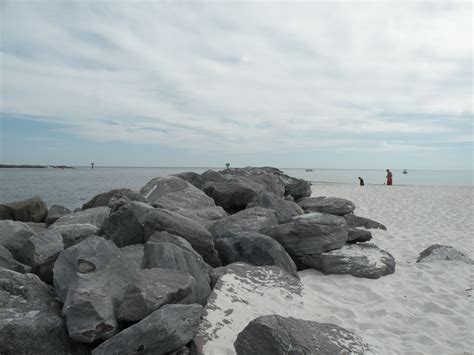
{"x":424,"y":308}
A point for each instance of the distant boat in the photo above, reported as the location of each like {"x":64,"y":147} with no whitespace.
{"x":405,"y":171}
{"x":308,"y":169}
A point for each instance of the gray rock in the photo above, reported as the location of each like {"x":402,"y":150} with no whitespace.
{"x":135,"y":253}
{"x":306,"y":238}
{"x":284,"y":209}
{"x":201,"y":240}
{"x":323,"y":218}
{"x":152,"y":288}
{"x":5,"y":212}
{"x":36,"y":227}
{"x":443,"y":252}
{"x":174,"y":193}
{"x":358,"y":235}
{"x":124,"y":227}
{"x":30,"y":210}
{"x":95,"y":216}
{"x":164,"y":331}
{"x":41,"y":251}
{"x":90,"y":278}
{"x":277,"y":335}
{"x":354,"y":221}
{"x":13,"y":235}
{"x":241,"y":290}
{"x":255,"y":249}
{"x":331,"y":205}
{"x":30,"y":318}
{"x":230,"y":195}
{"x":54,"y":213}
{"x":111,"y":197}
{"x":268,"y":179}
{"x":254,"y":219}
{"x":73,"y":234}
{"x":298,"y":188}
{"x":174,"y":253}
{"x":205,"y":216}
{"x":191,"y":177}
{"x":7,"y":261}
{"x":360,"y":260}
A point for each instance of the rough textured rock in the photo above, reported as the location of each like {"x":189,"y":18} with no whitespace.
{"x":54,"y":213}
{"x":109,"y":198}
{"x":5,"y":212}
{"x":135,"y":253}
{"x":241,"y":294}
{"x":253,"y":219}
{"x":359,"y":260}
{"x":174,"y":253}
{"x":277,"y":335}
{"x":354,"y":221}
{"x":164,"y":331}
{"x":231,"y":195}
{"x":174,"y":193}
{"x":152,"y":288}
{"x":255,"y":249}
{"x":331,"y":205}
{"x":191,"y":177}
{"x":13,"y":235}
{"x":356,"y":235}
{"x":30,"y":210}
{"x":36,"y":227}
{"x":95,"y":216}
{"x":90,"y":277}
{"x":172,"y":222}
{"x":266,"y":178}
{"x":73,"y":234}
{"x":306,"y":238}
{"x":298,"y":188}
{"x":7,"y":261}
{"x":323,"y":218}
{"x":41,"y":251}
{"x":284,"y":210}
{"x":205,"y":216}
{"x":443,"y":252}
{"x":124,"y":227}
{"x":30,"y":318}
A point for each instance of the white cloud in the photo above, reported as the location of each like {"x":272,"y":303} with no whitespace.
{"x":247,"y":76}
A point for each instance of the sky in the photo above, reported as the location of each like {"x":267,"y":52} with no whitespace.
{"x":352,"y":84}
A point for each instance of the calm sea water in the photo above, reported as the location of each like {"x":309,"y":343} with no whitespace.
{"x":73,"y":187}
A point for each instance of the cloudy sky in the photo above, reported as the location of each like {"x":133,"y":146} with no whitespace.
{"x":293,"y":84}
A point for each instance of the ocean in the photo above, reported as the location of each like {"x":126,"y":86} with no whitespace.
{"x":73,"y":187}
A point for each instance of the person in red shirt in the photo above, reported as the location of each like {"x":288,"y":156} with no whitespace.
{"x":389,"y":177}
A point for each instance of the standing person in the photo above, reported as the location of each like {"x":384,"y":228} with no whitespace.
{"x":361,"y":181}
{"x":389,"y":177}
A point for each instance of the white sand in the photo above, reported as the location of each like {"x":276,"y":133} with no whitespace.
{"x":424,"y":308}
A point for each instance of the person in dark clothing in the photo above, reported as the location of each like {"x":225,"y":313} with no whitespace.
{"x":389,"y":177}
{"x":361,"y":181}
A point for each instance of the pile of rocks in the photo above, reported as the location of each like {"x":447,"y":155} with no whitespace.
{"x":131,"y":271}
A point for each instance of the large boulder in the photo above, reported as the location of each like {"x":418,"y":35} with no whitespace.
{"x":233,"y":194}
{"x":13,"y":235}
{"x":30,"y":317}
{"x":5,"y":212}
{"x":354,"y":221}
{"x":150,"y":289}
{"x":205,"y":216}
{"x":241,"y":294}
{"x":124,"y":227}
{"x":167,"y":251}
{"x":284,"y":210}
{"x":277,"y":335}
{"x":360,"y":260}
{"x":73,"y":234}
{"x":111,"y":197}
{"x":201,"y":240}
{"x":162,"y":332}
{"x":174,"y":193}
{"x":7,"y":261}
{"x":255,"y":249}
{"x":90,"y":278}
{"x":357,"y":235}
{"x":191,"y":177}
{"x":30,"y":210}
{"x":331,"y":205}
{"x":41,"y":251}
{"x":134,"y":252}
{"x":95,"y":216}
{"x":306,"y":238}
{"x":254,"y":219}
{"x":36,"y":227}
{"x":438,"y":252}
{"x":267,"y":178}
{"x":54,"y":213}
{"x":298,"y":188}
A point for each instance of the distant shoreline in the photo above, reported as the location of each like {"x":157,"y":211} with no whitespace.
{"x":35,"y":166}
